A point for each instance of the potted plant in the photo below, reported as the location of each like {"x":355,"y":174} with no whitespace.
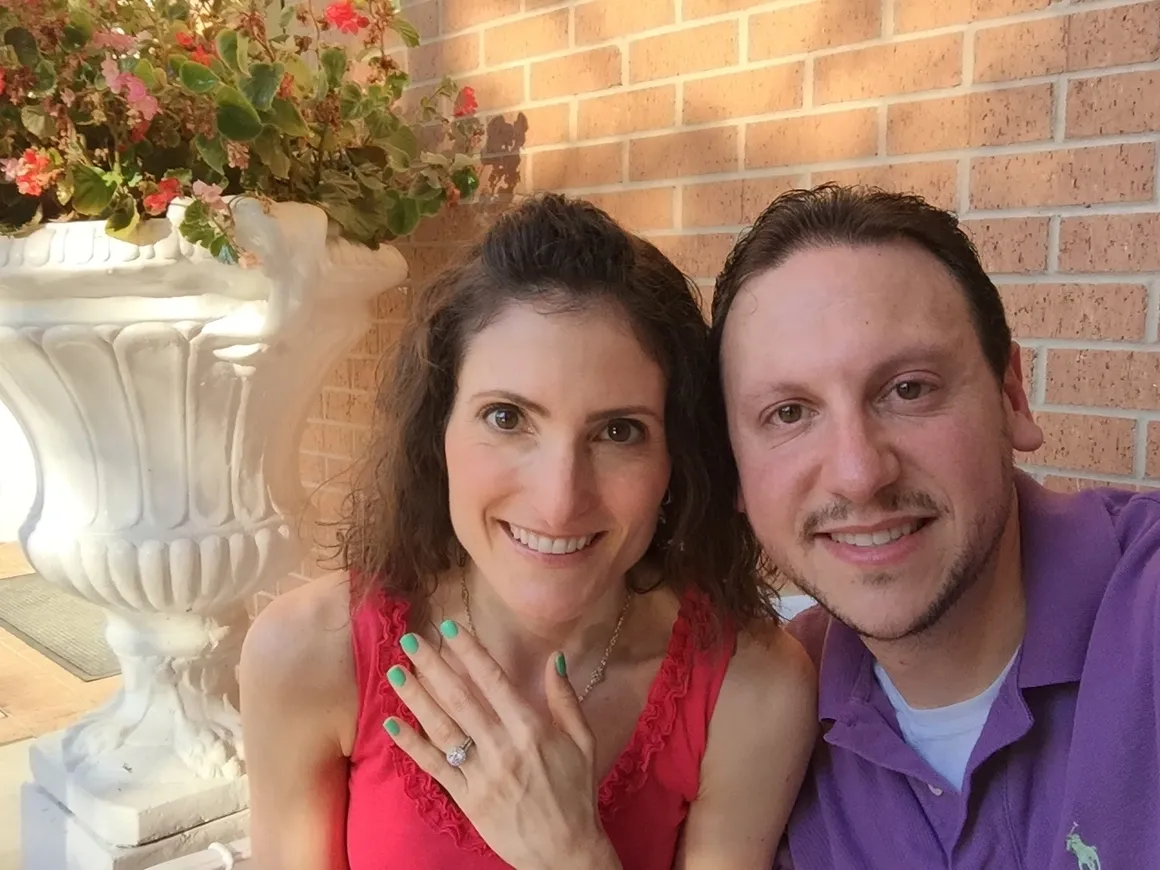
{"x":197,"y":204}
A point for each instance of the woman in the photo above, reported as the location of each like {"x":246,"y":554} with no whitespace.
{"x":551,"y":647}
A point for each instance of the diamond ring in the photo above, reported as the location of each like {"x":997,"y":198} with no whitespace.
{"x":458,"y":755}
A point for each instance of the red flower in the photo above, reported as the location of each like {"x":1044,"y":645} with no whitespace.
{"x":286,"y":88}
{"x":139,"y":131}
{"x":1,"y":80}
{"x":465,"y":103}
{"x":32,"y":172}
{"x":168,"y":189}
{"x":186,"y":40}
{"x":342,"y":14}
{"x":200,"y":55}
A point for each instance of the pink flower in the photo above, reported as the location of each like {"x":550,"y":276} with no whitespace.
{"x":133,"y":89}
{"x":114,"y":41}
{"x":249,"y":260}
{"x":32,"y":172}
{"x":168,"y":189}
{"x":342,"y":14}
{"x":465,"y":103}
{"x":210,"y":194}
{"x":1,"y":80}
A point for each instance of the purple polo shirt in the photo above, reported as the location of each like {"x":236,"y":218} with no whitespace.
{"x":1066,"y":772}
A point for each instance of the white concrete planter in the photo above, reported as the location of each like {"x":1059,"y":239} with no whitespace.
{"x":163,"y":394}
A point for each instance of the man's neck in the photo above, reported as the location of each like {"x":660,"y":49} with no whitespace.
{"x":963,"y":654}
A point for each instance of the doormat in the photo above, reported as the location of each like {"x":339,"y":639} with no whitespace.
{"x":59,"y":625}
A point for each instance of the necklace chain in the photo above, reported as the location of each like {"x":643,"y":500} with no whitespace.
{"x":598,"y":674}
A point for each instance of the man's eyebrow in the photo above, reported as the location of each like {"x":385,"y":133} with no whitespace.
{"x":540,"y":410}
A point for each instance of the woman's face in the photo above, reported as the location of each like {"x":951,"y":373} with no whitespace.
{"x":556,"y":456}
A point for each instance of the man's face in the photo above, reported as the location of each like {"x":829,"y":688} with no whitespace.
{"x":872,"y":439}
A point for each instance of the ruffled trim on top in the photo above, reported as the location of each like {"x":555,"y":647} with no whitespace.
{"x":630,"y":772}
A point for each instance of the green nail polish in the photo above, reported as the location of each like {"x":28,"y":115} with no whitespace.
{"x":397,"y":676}
{"x":410,"y":644}
{"x":561,"y":665}
{"x":448,"y":628}
{"x":392,"y":727}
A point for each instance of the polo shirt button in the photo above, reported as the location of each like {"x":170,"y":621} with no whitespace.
{"x":935,"y":790}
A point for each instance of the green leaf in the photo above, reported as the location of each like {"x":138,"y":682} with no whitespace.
{"x":462,"y":161}
{"x":262,"y":84}
{"x":79,"y":29}
{"x":92,"y":189}
{"x":350,"y":102}
{"x":236,"y":118}
{"x":381,"y":124}
{"x":302,"y":74}
{"x":404,"y":217}
{"x":404,"y":139}
{"x":196,"y":226}
{"x":337,"y":186}
{"x":45,"y":79}
{"x":177,"y":10}
{"x":406,"y":30}
{"x":227,"y":49}
{"x":38,"y":122}
{"x":432,"y":159}
{"x":466,"y":180}
{"x":197,"y":78}
{"x":287,"y":118}
{"x":334,"y":63}
{"x":268,"y":147}
{"x":145,"y":71}
{"x":430,"y":206}
{"x":213,"y":152}
{"x":24,"y":44}
{"x":122,"y":222}
{"x":182,"y":174}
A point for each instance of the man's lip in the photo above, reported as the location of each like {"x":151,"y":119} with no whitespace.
{"x":870,"y":528}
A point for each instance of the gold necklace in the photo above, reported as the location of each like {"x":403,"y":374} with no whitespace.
{"x":598,"y":674}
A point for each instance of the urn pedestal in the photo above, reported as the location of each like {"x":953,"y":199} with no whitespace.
{"x":163,"y":394}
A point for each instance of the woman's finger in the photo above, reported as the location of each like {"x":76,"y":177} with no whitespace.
{"x":449,"y":689}
{"x":443,"y":732}
{"x":565,"y":706}
{"x":489,"y":678}
{"x":427,"y":756}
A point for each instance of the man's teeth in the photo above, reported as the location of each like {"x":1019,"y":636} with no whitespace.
{"x":549,"y":546}
{"x":875,"y":539}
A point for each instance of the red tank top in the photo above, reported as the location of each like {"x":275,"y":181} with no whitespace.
{"x":398,"y":816}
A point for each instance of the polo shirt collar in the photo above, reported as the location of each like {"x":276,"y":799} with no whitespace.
{"x":1069,"y":549}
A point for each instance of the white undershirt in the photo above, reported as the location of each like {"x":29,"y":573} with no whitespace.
{"x":943,"y":736}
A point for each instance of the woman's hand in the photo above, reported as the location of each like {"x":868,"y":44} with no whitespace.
{"x":527,"y":783}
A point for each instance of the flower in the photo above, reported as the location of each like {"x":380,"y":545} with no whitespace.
{"x":465,"y":103}
{"x":32,"y":172}
{"x":249,"y":260}
{"x":114,"y":41}
{"x":168,"y":189}
{"x":200,"y":55}
{"x":210,"y":194}
{"x":342,"y":14}
{"x":136,"y":94}
{"x":238,"y":154}
{"x":1,"y":80}
{"x":186,"y":40}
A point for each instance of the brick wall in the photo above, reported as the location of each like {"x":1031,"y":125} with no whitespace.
{"x":1037,"y":121}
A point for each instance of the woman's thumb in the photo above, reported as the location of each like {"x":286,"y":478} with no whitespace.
{"x":565,"y":706}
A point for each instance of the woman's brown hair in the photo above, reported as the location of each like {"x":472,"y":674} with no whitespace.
{"x":560,"y":254}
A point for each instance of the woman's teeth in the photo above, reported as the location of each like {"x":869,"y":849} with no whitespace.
{"x":875,"y":539}
{"x":549,"y":546}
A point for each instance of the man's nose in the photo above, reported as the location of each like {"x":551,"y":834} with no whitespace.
{"x":860,"y":459}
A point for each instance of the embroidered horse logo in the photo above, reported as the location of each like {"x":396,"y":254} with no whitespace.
{"x":1086,"y":857}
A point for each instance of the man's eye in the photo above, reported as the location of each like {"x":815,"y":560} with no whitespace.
{"x":910,"y":390}
{"x":789,"y":414}
{"x":504,"y":417}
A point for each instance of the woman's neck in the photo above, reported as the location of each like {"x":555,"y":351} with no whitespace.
{"x":523,"y":646}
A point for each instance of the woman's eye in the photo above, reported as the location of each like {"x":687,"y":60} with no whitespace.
{"x":623,"y":431}
{"x":789,"y":414}
{"x":504,"y":417}
{"x":910,"y":390}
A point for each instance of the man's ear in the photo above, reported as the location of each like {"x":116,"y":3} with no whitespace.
{"x":1026,"y":436}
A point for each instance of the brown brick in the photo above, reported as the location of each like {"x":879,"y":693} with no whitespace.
{"x":639,"y":210}
{"x":971,"y":121}
{"x":347,"y":406}
{"x":447,"y":57}
{"x":585,"y":166}
{"x":1153,"y":467}
{"x":609,"y":19}
{"x":628,"y":112}
{"x":895,"y":68}
{"x":911,"y":15}
{"x":1081,"y":441}
{"x":698,"y":256}
{"x":813,"y":138}
{"x":1112,"y":243}
{"x":735,"y":95}
{"x":424,"y":17}
{"x":544,"y":125}
{"x":1101,"y":312}
{"x":1010,"y":245}
{"x":1107,"y":105}
{"x":363,"y":374}
{"x":813,"y":26}
{"x":695,"y":49}
{"x":576,"y":73}
{"x":935,"y":182}
{"x":1015,"y":51}
{"x":1104,"y":378}
{"x":527,"y":37}
{"x":700,"y":8}
{"x":1027,"y":362}
{"x":1079,"y":176}
{"x":458,"y":14}
{"x":697,"y":152}
{"x":464,"y":224}
{"x":497,"y":90}
{"x":732,"y":203}
{"x":1070,"y":485}
{"x":1084,"y":40}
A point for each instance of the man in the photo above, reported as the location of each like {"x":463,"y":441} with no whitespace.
{"x":987,"y":650}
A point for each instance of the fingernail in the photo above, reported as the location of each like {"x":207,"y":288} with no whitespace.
{"x":561,"y":665}
{"x":397,"y":676}
{"x":448,"y":628}
{"x":392,"y":727}
{"x":410,"y":644}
